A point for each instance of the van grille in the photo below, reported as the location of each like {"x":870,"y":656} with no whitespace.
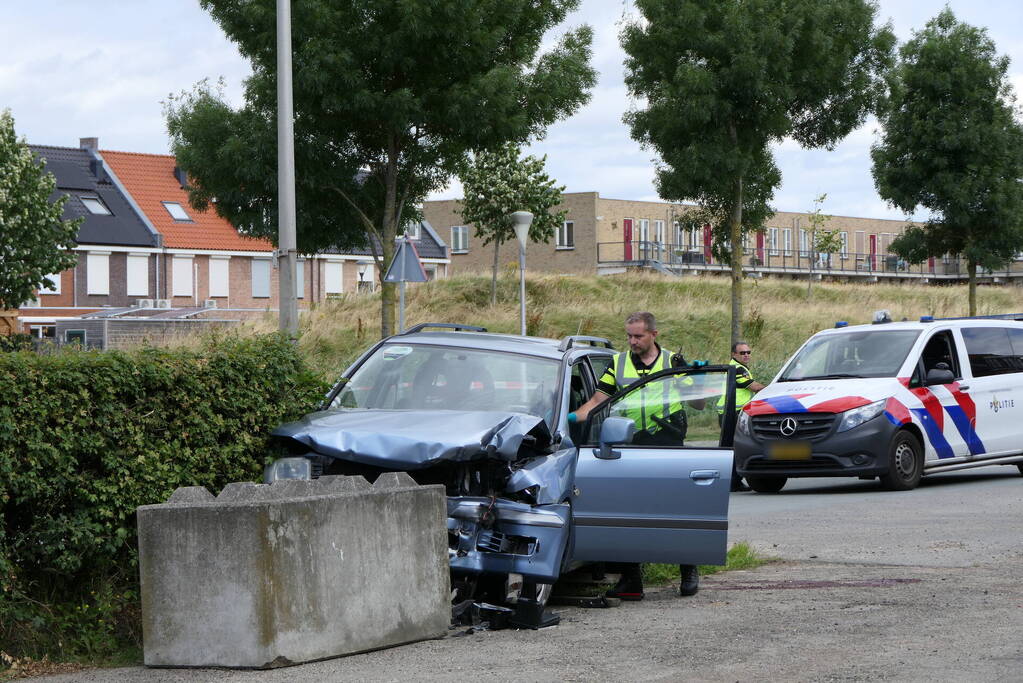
{"x":809,"y":426}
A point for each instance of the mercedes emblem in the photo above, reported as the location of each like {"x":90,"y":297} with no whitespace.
{"x":788,"y":426}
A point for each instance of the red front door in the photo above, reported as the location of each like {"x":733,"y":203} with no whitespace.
{"x":627,"y":236}
{"x":707,"y":237}
{"x":873,"y":252}
{"x":760,"y":246}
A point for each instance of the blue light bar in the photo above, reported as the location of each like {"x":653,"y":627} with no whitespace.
{"x":927,"y":318}
{"x":841,"y":323}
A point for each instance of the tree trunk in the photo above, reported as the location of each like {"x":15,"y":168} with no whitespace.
{"x":493,"y":275}
{"x":971,"y":269}
{"x":735,"y":235}
{"x":389,"y":231}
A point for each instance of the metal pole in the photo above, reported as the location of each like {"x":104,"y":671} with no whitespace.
{"x":522,"y":289}
{"x":286,"y":238}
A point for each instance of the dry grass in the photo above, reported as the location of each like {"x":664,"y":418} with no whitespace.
{"x":692,"y":312}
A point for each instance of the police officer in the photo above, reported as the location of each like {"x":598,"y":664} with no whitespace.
{"x":645,"y":357}
{"x":745,"y":387}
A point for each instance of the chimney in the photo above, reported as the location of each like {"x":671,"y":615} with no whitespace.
{"x":89,"y":144}
{"x":96,"y":167}
{"x":182,"y":177}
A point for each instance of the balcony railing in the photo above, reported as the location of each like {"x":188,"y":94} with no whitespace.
{"x":686,"y":258}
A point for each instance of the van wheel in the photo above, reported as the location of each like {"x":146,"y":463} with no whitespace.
{"x":905,"y":463}
{"x":766,"y":484}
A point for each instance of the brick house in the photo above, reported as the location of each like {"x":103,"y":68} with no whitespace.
{"x":606,"y":236}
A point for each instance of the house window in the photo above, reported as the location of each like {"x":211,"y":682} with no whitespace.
{"x":138,"y":275}
{"x":332,"y":282}
{"x":367,"y":276}
{"x":181,"y":276}
{"x":786,"y":240}
{"x":460,"y":238}
{"x":177,"y":211}
{"x":844,"y":237}
{"x":694,"y":239}
{"x":659,"y":232}
{"x":95,"y":205}
{"x":644,"y":229}
{"x":260,"y":278}
{"x":566,"y":235}
{"x":772,"y":241}
{"x":55,"y":278}
{"x":804,"y":243}
{"x":678,"y":233}
{"x":97,"y":266}
{"x":220,"y":267}
{"x":413,"y":231}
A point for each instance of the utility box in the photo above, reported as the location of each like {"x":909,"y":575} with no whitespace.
{"x":264,"y":576}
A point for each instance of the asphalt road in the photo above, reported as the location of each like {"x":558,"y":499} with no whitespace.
{"x":870,"y":586}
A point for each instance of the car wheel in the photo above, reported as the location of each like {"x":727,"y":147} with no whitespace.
{"x":766,"y":484}
{"x":905,"y":463}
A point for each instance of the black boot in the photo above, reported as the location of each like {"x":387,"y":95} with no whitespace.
{"x":690,"y":579}
{"x":630,"y":584}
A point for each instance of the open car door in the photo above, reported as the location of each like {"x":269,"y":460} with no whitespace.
{"x":653,"y":475}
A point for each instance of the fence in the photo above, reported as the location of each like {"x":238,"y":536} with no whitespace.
{"x":682,"y":258}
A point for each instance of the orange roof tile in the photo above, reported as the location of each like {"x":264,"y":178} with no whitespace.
{"x":150,"y":180}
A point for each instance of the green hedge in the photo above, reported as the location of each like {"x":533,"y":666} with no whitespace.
{"x":86,"y":437}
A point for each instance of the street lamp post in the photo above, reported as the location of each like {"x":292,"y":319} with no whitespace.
{"x":522,"y":220}
{"x":362,"y":267}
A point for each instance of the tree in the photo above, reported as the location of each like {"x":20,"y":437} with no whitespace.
{"x":389,"y":97}
{"x":35,"y":241}
{"x":721,"y":80}
{"x":497,"y":183}
{"x":822,"y":241}
{"x":950,"y":144}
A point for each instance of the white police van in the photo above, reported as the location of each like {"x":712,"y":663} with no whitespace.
{"x":896,"y":400}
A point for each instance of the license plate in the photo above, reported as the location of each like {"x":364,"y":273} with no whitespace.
{"x":789,"y":450}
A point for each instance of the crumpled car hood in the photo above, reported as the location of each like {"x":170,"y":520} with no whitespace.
{"x":410,"y":439}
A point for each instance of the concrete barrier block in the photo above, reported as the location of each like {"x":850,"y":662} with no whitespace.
{"x":268,"y":575}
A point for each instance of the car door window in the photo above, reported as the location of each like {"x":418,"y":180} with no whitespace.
{"x":990,"y":351}
{"x":940,"y":349}
{"x":671,"y":410}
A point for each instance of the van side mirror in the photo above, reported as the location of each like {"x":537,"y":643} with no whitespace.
{"x":614,"y":430}
{"x":939,"y":375}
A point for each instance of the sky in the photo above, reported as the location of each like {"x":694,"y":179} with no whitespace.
{"x":74,"y":69}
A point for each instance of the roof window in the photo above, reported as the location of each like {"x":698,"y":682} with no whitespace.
{"x":177,"y":211}
{"x":95,"y":206}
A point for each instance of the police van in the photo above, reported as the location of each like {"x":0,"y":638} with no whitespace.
{"x":894,"y":400}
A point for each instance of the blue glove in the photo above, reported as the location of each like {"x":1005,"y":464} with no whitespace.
{"x":699,"y":363}
{"x":572,"y":417}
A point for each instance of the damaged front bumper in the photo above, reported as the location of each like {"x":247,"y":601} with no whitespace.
{"x":496,"y":536}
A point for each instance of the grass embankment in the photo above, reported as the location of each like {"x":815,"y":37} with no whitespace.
{"x":740,"y":556}
{"x":693,"y":313}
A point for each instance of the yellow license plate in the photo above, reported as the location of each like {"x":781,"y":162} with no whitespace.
{"x":789,"y":450}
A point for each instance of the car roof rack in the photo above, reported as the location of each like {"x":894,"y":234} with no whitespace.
{"x":571,"y":340}
{"x":446,"y":326}
{"x":1000,"y":316}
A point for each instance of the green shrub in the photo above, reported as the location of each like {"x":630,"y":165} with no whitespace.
{"x":86,"y":438}
{"x":15,"y":342}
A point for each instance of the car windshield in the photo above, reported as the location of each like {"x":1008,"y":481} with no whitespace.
{"x":870,"y":353}
{"x":423,"y":377}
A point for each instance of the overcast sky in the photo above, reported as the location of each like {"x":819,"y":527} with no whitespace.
{"x":75,"y":69}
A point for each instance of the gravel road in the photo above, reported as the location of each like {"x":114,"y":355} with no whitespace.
{"x":870,"y":585}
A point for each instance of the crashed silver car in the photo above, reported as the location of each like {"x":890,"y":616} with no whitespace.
{"x":530,"y":494}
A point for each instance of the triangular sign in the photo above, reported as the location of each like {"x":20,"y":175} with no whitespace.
{"x":406,"y":266}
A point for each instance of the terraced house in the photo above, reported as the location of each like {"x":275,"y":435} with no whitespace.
{"x":607,"y":236}
{"x":146,"y":256}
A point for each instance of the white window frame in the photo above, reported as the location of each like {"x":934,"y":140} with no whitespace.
{"x":220,"y":276}
{"x":844,"y":250}
{"x":261,"y":277}
{"x":695,"y":239}
{"x":94,"y":205}
{"x":565,"y":235}
{"x":786,"y":241}
{"x":333,"y":277}
{"x":772,"y":241}
{"x":459,"y":239}
{"x":97,"y":268}
{"x":137,"y":275}
{"x":413,"y":230}
{"x":804,"y":242}
{"x":183,"y":217}
{"x":643,"y":225}
{"x":181,"y":276}
{"x":56,"y":285}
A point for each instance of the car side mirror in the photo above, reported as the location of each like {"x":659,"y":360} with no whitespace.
{"x":940,"y":375}
{"x":614,"y":430}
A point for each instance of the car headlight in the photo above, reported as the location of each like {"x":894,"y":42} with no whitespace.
{"x":743,"y":426}
{"x":288,"y":468}
{"x":857,"y":416}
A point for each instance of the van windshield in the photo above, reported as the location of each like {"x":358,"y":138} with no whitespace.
{"x":870,"y":353}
